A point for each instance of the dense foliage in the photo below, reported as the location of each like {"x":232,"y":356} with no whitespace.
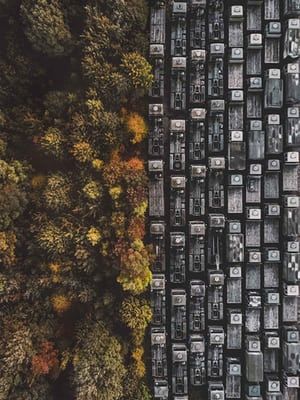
{"x":74,"y":266}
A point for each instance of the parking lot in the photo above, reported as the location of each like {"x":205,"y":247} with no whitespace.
{"x":224,"y":215}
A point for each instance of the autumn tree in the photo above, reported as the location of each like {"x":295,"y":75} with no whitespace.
{"x":136,"y":315}
{"x":45,"y":360}
{"x":53,"y":236}
{"x":136,"y":126}
{"x":8,"y":242}
{"x":73,"y":199}
{"x":57,"y":194}
{"x":138,"y":70}
{"x":135,"y":274}
{"x":52,"y":142}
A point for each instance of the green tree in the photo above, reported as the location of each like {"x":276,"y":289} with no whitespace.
{"x":98,"y":363}
{"x":46,"y":27}
{"x":22,"y":333}
{"x":13,"y":197}
{"x":57,"y":102}
{"x":13,"y":201}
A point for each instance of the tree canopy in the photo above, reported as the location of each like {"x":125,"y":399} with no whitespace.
{"x":73,"y":197}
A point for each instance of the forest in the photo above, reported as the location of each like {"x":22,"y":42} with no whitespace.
{"x":74,"y":263}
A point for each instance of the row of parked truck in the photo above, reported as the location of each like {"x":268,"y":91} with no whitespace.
{"x":265,"y":137}
{"x":193,"y":356}
{"x":244,"y":191}
{"x":188,"y":311}
{"x":224,"y":200}
{"x":202,"y":250}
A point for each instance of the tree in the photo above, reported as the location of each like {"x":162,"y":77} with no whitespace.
{"x":136,"y":14}
{"x":45,"y":360}
{"x":46,"y":27}
{"x":136,"y":126}
{"x":98,"y":364}
{"x":60,"y":303}
{"x":83,"y":152}
{"x":58,"y":102}
{"x":136,"y":315}
{"x":93,"y":236}
{"x":143,"y":392}
{"x":73,"y":196}
{"x":13,"y":197}
{"x":13,"y":202}
{"x":135,"y":274}
{"x":135,"y":388}
{"x":136,"y":228}
{"x":24,"y":336}
{"x":113,"y":170}
{"x":102,"y":40}
{"x":18,"y":70}
{"x":7,"y":248}
{"x":92,"y":190}
{"x":53,"y":237}
{"x":137,"y":69}
{"x":52,"y":143}
{"x":15,"y":357}
{"x":57,"y":193}
{"x":139,"y":365}
{"x":102,"y":34}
